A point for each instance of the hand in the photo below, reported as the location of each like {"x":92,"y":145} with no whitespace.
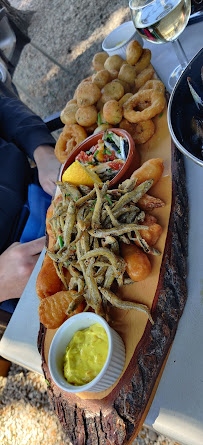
{"x":16,"y":265}
{"x":48,"y":167}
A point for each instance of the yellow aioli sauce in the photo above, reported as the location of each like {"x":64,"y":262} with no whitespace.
{"x":85,"y":355}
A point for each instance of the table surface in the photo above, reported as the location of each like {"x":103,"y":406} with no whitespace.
{"x":177,"y":408}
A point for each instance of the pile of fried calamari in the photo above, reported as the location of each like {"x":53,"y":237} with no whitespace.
{"x":87,"y":227}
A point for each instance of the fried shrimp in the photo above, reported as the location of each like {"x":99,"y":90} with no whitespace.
{"x":88,"y":93}
{"x":53,"y":310}
{"x":112,"y":91}
{"x":101,"y":78}
{"x":67,"y":115}
{"x":86,"y":116}
{"x":127,"y":74}
{"x":99,"y":59}
{"x":154,"y":84}
{"x":156,"y":103}
{"x":113,"y":112}
{"x":151,"y":169}
{"x":140,"y":132}
{"x":143,"y":77}
{"x":133,"y":52}
{"x":70,"y":138}
{"x":144,"y":61}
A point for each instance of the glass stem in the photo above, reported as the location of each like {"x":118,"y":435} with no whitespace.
{"x":180,"y":53}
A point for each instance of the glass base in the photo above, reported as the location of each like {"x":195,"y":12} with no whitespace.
{"x":174,"y":76}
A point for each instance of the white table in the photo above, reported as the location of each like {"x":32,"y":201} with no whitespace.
{"x":177,"y":408}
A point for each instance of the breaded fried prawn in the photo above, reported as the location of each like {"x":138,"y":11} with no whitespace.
{"x":143,"y":77}
{"x":99,"y":59}
{"x":127,"y":74}
{"x":151,"y":169}
{"x":112,"y":90}
{"x":101,"y":78}
{"x":133,"y":52}
{"x":88,"y":93}
{"x":113,"y":112}
{"x":86,"y":116}
{"x":144,"y":61}
{"x":53,"y":310}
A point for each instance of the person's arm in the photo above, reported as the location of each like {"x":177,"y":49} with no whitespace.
{"x":18,"y":124}
{"x":48,"y":167}
{"x":16,"y":265}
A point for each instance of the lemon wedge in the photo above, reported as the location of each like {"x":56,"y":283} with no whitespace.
{"x":78,"y":174}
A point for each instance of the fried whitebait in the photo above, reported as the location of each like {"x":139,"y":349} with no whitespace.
{"x":88,"y":226}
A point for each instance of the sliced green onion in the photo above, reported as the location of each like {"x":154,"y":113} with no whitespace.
{"x":60,"y":240}
{"x":95,"y":154}
{"x":108,"y":152}
{"x":99,"y":121}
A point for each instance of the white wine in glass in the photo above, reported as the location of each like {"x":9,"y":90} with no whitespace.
{"x":161,"y":21}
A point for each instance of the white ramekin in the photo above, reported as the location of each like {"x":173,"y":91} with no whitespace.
{"x":114,"y":363}
{"x":123,"y":33}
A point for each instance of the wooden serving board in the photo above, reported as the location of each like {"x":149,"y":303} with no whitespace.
{"x":115,"y":416}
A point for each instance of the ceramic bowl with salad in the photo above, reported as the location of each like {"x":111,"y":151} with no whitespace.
{"x":110,"y":154}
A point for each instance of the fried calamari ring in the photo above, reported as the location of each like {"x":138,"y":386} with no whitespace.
{"x":125,"y":98}
{"x":113,"y":63}
{"x":154,"y":84}
{"x":144,"y":61}
{"x":113,"y":112}
{"x":127,"y":74}
{"x":133,"y":52}
{"x":101,"y":78}
{"x":67,"y":115}
{"x":143,"y":77}
{"x":140,"y":132}
{"x":86,"y":116}
{"x":112,"y":90}
{"x":88,"y":93}
{"x":99,"y":59}
{"x":70,"y":138}
{"x":156,"y":102}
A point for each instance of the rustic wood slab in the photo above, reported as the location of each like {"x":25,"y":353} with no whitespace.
{"x":116,"y":418}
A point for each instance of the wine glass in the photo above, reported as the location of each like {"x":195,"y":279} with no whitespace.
{"x":162,"y":21}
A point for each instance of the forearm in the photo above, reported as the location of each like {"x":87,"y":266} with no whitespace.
{"x":20,"y":125}
{"x":48,"y":167}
